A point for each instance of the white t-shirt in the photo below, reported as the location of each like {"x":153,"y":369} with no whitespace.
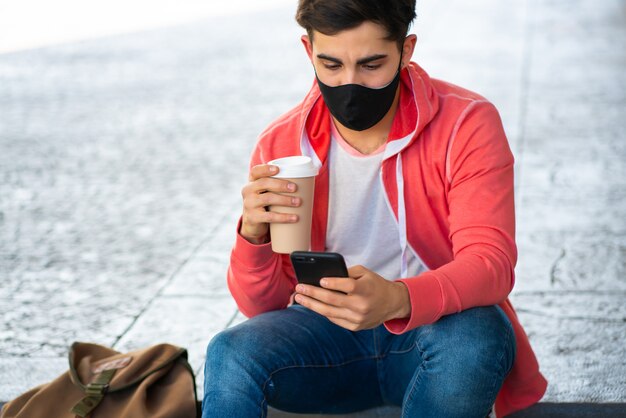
{"x":361,"y":225}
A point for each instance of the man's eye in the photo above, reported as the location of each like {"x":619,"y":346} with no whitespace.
{"x":371,"y":67}
{"x":331,"y":66}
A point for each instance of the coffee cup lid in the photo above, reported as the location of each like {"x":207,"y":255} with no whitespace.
{"x":295,"y":167}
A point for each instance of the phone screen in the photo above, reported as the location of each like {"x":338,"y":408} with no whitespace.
{"x":311,"y":266}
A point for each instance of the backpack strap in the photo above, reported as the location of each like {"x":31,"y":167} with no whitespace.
{"x":94,"y":392}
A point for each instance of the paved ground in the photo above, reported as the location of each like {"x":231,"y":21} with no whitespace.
{"x":121,"y":161}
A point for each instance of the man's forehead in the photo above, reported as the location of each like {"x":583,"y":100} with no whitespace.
{"x":366,"y":32}
{"x":345,"y":44}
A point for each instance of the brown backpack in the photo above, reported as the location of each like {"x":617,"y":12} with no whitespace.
{"x":156,"y":382}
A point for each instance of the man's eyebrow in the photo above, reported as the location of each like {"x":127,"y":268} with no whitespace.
{"x":329,"y":58}
{"x":359,"y":62}
{"x":371,"y":58}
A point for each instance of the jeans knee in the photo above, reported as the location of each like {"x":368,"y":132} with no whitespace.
{"x":495,"y":344}
{"x":476,"y":342}
{"x":218,"y":345}
{"x":218,"y":348}
{"x":230,"y":362}
{"x":227,"y":345}
{"x":231,"y":379}
{"x":465,"y":357}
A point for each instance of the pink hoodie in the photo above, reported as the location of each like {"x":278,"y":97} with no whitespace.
{"x":448,"y":177}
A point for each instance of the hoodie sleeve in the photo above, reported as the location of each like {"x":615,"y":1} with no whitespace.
{"x":481,"y":219}
{"x":259,"y":279}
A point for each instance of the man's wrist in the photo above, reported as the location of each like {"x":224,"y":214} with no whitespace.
{"x":256,"y":240}
{"x":403,"y":302}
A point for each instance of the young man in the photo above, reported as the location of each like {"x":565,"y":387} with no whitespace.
{"x":416,"y":191}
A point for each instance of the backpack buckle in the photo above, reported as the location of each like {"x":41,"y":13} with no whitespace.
{"x":96,"y":389}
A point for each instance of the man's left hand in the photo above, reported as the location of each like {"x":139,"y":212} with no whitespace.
{"x":363,"y":300}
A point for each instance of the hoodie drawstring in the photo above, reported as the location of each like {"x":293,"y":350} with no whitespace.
{"x":404,"y":268}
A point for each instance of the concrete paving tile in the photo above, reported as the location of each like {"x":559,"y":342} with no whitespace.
{"x":48,"y":327}
{"x":186,"y":321}
{"x":581,"y":358}
{"x":599,"y":306}
{"x":554,"y":130}
{"x":200,"y":276}
{"x":576,"y":59}
{"x":18,"y":374}
{"x":205,"y":271}
{"x":569,"y":214}
{"x":575,"y":168}
{"x":570,"y":219}
{"x":223,"y":237}
{"x":581,"y":259}
{"x":218,"y":245}
{"x":199,"y":370}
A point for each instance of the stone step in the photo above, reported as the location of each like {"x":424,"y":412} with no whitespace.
{"x":541,"y":410}
{"x":552,"y":410}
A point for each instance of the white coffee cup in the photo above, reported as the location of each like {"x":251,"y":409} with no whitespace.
{"x":289,"y":237}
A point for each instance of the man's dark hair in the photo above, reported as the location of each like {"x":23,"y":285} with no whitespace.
{"x":333,"y":16}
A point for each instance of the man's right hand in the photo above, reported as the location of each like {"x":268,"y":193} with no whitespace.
{"x":261,"y":192}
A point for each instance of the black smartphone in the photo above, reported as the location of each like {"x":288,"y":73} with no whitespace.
{"x":311,"y":266}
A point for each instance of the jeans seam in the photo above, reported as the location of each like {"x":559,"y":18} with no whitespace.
{"x":376,"y":345}
{"x":411,"y":348}
{"x":389,"y":354}
{"x":417,"y":378}
{"x":418,"y":374}
{"x":379,"y":356}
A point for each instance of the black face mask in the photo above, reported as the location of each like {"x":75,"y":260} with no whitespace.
{"x":358,"y":107}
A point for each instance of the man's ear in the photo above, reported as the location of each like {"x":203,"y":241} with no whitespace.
{"x":407,"y":49}
{"x":308,"y":46}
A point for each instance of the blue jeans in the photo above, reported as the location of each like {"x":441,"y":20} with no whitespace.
{"x":298,"y":361}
